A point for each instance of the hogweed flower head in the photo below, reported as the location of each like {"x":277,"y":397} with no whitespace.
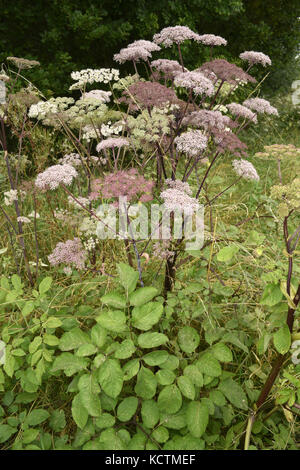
{"x":245,"y":169}
{"x":174,"y":35}
{"x":56,"y":175}
{"x":148,"y":94}
{"x":70,"y":253}
{"x":207,"y":119}
{"x":112,"y":142}
{"x":97,"y":96}
{"x":175,"y":199}
{"x":226,"y":71}
{"x":22,"y":63}
{"x":135,"y":53}
{"x":170,"y":68}
{"x":148,"y":45}
{"x":191,"y":142}
{"x":242,"y":111}
{"x":180,"y":185}
{"x":212,"y":40}
{"x":196,"y":82}
{"x":253,"y":57}
{"x":260,"y":105}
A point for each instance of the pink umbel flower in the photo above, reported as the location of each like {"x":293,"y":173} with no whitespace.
{"x":245,"y":169}
{"x":112,"y":142}
{"x":242,"y":111}
{"x":229,"y":142}
{"x":175,"y":199}
{"x":148,"y":94}
{"x":196,"y":82}
{"x":253,"y":57}
{"x":148,"y":45}
{"x":170,"y":68}
{"x":161,"y":250}
{"x":100,"y":96}
{"x":180,"y":185}
{"x":125,"y":183}
{"x":208,"y":119}
{"x":70,"y":253}
{"x":260,"y":106}
{"x":191,"y":142}
{"x":135,"y":53}
{"x":55,"y":175}
{"x":212,"y":40}
{"x":174,"y":35}
{"x":226,"y":71}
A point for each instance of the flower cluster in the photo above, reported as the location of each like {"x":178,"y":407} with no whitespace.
{"x":148,"y":94}
{"x":109,"y":129}
{"x":279,"y":151}
{"x":260,"y":105}
{"x":135,"y":53}
{"x":23,"y":63}
{"x":212,"y":40}
{"x":93,"y":76}
{"x":112,"y":142}
{"x":242,"y":111}
{"x":177,"y":199}
{"x":209,"y":120}
{"x":97,"y":95}
{"x":245,"y":169}
{"x":226,"y":71}
{"x":191,"y":142}
{"x":288,"y":195}
{"x":196,"y":82}
{"x":170,"y":68}
{"x":228,"y":141}
{"x":161,"y":250}
{"x":23,"y":220}
{"x":10,"y":197}
{"x":179,"y":185}
{"x":148,"y":45}
{"x":70,"y":253}
{"x":253,"y":57}
{"x":56,"y":175}
{"x":174,"y":35}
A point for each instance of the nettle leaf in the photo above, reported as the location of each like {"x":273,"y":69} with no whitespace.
{"x":125,"y":349}
{"x":146,"y":384}
{"x":188,"y":339}
{"x":227,"y":253}
{"x":197,"y":417}
{"x":127,"y":408}
{"x":150,"y":413}
{"x":209,"y":365}
{"x":194,"y":374}
{"x":114,"y":300}
{"x":221,"y":352}
{"x":152,"y":340}
{"x":45,"y":285}
{"x":155,"y":358}
{"x":98,"y":335}
{"x":89,"y":394}
{"x":272,"y":295}
{"x":69,"y":363}
{"x":111,"y":377}
{"x":128,"y":277}
{"x":186,"y":387}
{"x":73,"y":339}
{"x":282,"y":339}
{"x":113,"y":320}
{"x":234,"y":393}
{"x":146,"y":316}
{"x":79,"y":412}
{"x":36,"y":417}
{"x":170,"y":399}
{"x":142,"y":295}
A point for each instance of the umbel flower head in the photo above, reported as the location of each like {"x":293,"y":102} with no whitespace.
{"x":260,"y":105}
{"x":208,"y":120}
{"x":191,"y":142}
{"x":135,"y":53}
{"x":242,"y":111}
{"x":70,"y":253}
{"x":22,"y":63}
{"x":279,"y":151}
{"x":212,"y":40}
{"x":174,"y":35}
{"x":226,"y":71}
{"x":253,"y":57}
{"x":196,"y":82}
{"x":148,"y":45}
{"x":112,"y":142}
{"x":245,"y":169}
{"x":170,"y":68}
{"x":178,"y":199}
{"x":148,"y":94}
{"x":55,"y":175}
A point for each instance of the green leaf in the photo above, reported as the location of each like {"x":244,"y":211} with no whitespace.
{"x":6,"y":432}
{"x":165,"y":377}
{"x":221,"y":352}
{"x":128,"y":277}
{"x":79,"y":412}
{"x":86,"y":350}
{"x":186,"y":387}
{"x":69,"y":363}
{"x":227,"y":253}
{"x":114,"y":300}
{"x":28,"y":308}
{"x":217,"y":398}
{"x":125,"y":349}
{"x":45,"y":285}
{"x":37,"y":417}
{"x":234,"y":393}
{"x":150,"y":413}
{"x":208,"y":365}
{"x":106,"y":420}
{"x":194,"y":374}
{"x":233,"y":339}
{"x":51,"y":340}
{"x":160,"y":434}
{"x":282,"y":340}
{"x":197,"y":417}
{"x":52,"y":322}
{"x":155,"y":358}
{"x":188,"y":339}
{"x":152,"y":340}
{"x":57,"y":421}
{"x":73,"y":339}
{"x":29,"y":435}
{"x":98,"y":335}
{"x":142,"y":295}
{"x":89,"y":394}
{"x":111,"y":377}
{"x":263,"y":343}
{"x":170,"y":399}
{"x":131,"y":368}
{"x":146,"y":316}
{"x":272,"y":295}
{"x":127,"y":408}
{"x":146,"y":384}
{"x":113,"y":321}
